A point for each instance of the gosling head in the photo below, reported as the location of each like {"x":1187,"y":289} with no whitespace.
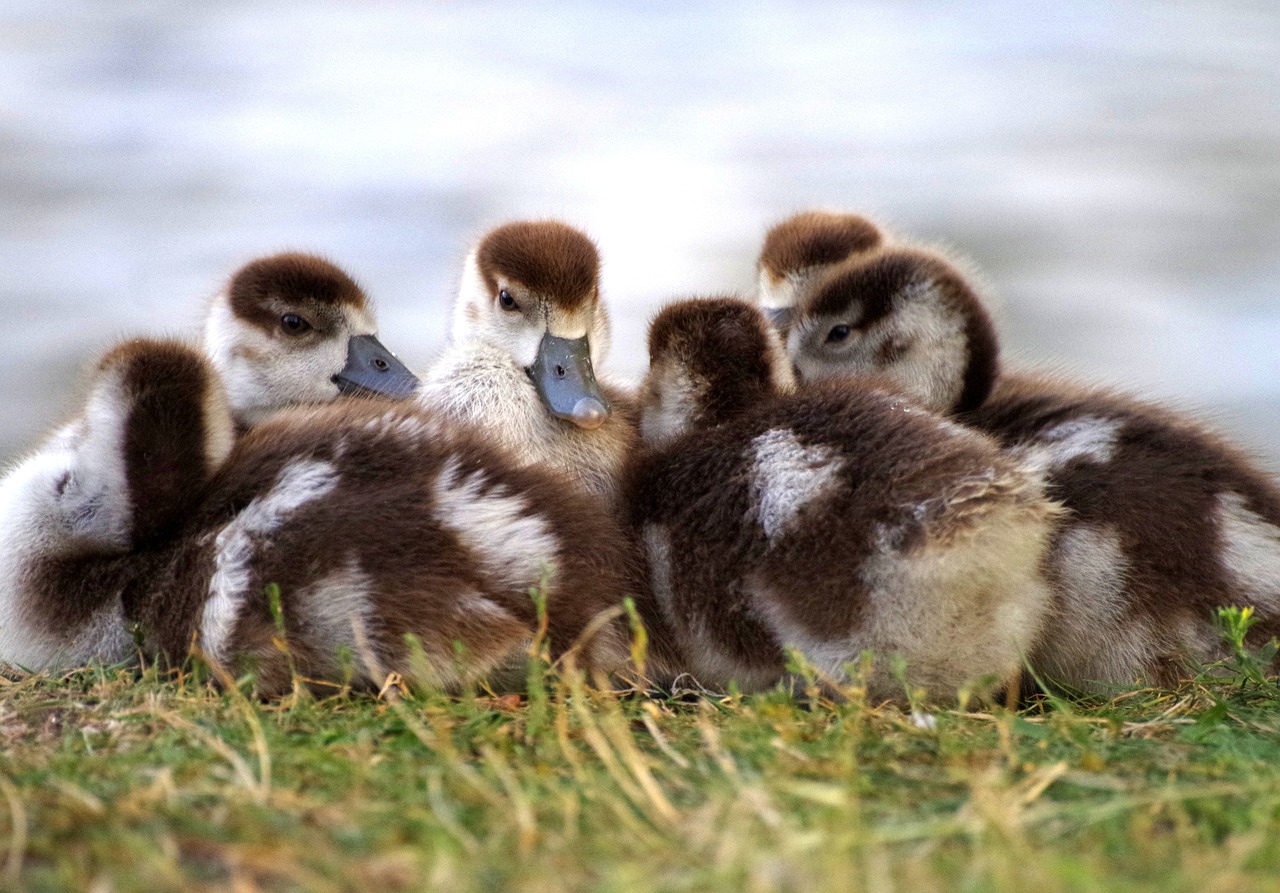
{"x":906,"y":315}
{"x":294,"y":329}
{"x":709,"y":360}
{"x":800,"y":249}
{"x":531,"y":289}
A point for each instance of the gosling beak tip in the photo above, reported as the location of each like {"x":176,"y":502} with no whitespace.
{"x":589,"y":413}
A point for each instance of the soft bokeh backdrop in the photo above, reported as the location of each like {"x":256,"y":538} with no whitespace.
{"x":1113,"y":169}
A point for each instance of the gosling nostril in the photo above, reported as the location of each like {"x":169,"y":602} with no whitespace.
{"x":559,"y":371}
{"x":381,"y":365}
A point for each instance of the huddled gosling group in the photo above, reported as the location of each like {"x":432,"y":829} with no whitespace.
{"x":837,"y":467}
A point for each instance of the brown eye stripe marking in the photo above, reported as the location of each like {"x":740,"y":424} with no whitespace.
{"x":816,"y":238}
{"x":290,"y":277}
{"x":547,"y":257}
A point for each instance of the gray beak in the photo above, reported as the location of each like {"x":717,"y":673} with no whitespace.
{"x":780,"y":317}
{"x":371,"y":368}
{"x":566,"y":383}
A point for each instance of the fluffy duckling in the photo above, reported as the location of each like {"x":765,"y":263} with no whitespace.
{"x":834,"y":521}
{"x":295,"y":329}
{"x":529,"y":330}
{"x":155,"y":427}
{"x":374,"y":520}
{"x":800,"y":250}
{"x":1166,"y":520}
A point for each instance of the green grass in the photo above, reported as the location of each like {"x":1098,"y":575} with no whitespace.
{"x":115,"y":779}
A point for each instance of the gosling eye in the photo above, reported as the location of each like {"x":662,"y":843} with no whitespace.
{"x":837,"y":334}
{"x":294,"y":324}
{"x":507,"y":302}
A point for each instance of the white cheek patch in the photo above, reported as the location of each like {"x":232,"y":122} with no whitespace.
{"x":261,"y":374}
{"x":477,"y":318}
{"x":473,"y":298}
{"x":1249,"y":551}
{"x":520,"y":340}
{"x":298,"y":484}
{"x":937,"y":352}
{"x":786,"y":476}
{"x":514,"y":545}
{"x":226,"y":340}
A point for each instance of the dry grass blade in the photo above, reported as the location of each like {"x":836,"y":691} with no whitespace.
{"x":17,"y":833}
{"x":526,"y":820}
{"x":616,"y":729}
{"x":239,"y":765}
{"x":647,"y":717}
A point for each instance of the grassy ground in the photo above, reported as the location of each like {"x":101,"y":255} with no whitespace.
{"x":111,"y":779}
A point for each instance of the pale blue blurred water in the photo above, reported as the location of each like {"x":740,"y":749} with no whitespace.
{"x":1113,"y":169}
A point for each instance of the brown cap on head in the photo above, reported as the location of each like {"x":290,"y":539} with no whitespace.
{"x":725,"y":343}
{"x":290,"y":277}
{"x":550,"y":258}
{"x":815,"y":239}
{"x":173,"y":399}
{"x":871,"y":290}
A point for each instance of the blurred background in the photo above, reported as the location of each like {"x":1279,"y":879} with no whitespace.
{"x":1112,"y":169}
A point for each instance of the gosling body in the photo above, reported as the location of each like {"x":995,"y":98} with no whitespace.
{"x":374,"y":522}
{"x":1166,"y":521}
{"x":833,"y":521}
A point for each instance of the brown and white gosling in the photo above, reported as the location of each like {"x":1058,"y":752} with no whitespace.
{"x":140,"y":520}
{"x":1166,"y":521}
{"x":529,"y":331}
{"x":833,"y":521}
{"x":294,"y":329}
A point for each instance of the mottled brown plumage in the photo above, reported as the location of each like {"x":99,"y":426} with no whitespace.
{"x":375,"y":520}
{"x":1166,"y":521}
{"x":832,"y":521}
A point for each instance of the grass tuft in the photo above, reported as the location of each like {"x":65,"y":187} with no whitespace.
{"x":124,"y":779}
